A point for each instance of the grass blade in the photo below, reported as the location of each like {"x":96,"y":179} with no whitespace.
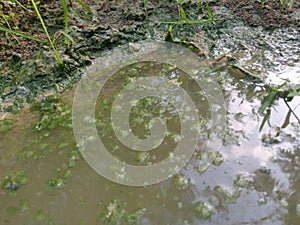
{"x":186,"y":22}
{"x":68,"y":38}
{"x":22,"y":6}
{"x":58,"y":59}
{"x":66,"y":14}
{"x":23,"y":35}
{"x":85,"y":7}
{"x":210,"y":14}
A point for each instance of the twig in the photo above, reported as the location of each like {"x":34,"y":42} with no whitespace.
{"x":287,"y":104}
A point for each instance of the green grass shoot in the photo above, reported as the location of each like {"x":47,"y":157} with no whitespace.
{"x":57,"y":57}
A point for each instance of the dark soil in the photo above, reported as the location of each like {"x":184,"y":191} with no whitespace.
{"x":28,"y":67}
{"x":270,"y":15}
{"x":24,"y":21}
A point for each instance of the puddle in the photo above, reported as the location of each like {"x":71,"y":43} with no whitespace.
{"x":289,"y":74}
{"x":253,"y":180}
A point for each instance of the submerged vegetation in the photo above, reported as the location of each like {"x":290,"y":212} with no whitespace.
{"x":13,"y":181}
{"x":287,"y":94}
{"x":53,"y":113}
{"x":115,"y":214}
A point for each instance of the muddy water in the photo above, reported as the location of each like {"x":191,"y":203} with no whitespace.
{"x":254,"y":178}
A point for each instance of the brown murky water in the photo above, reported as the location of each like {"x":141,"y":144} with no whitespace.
{"x":253,"y":180}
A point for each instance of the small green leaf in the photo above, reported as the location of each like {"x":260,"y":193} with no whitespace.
{"x":265,"y":119}
{"x":268,"y":101}
{"x":182,"y":13}
{"x":294,"y":91}
{"x":169,"y":37}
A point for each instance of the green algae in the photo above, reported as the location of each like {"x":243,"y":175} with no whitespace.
{"x":58,"y":182}
{"x":116,"y":214}
{"x":24,"y":204}
{"x":208,"y":157}
{"x":39,"y":216}
{"x":73,"y":156}
{"x":243,"y":180}
{"x":63,"y":173}
{"x":13,"y":181}
{"x":6,"y":125}
{"x":12,"y":210}
{"x":181,"y":182}
{"x":203,"y":210}
{"x":53,"y":114}
{"x":225,"y":195}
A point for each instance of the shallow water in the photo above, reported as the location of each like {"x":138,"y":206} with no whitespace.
{"x":255,"y":179}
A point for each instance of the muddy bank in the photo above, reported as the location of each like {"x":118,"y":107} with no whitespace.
{"x":28,"y":68}
{"x":268,"y":14}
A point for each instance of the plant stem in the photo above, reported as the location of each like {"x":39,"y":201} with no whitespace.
{"x":58,"y":59}
{"x":22,"y":6}
{"x":145,"y":8}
